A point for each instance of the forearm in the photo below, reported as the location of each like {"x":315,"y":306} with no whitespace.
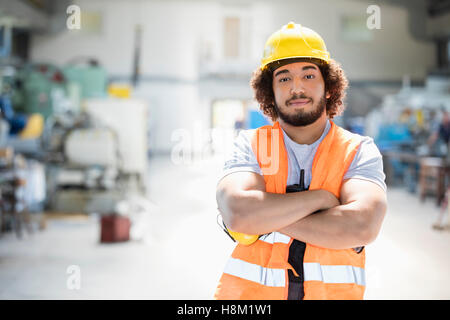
{"x":341,"y":227}
{"x":259,"y":212}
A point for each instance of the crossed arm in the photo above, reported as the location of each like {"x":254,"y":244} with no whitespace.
{"x":246,"y":207}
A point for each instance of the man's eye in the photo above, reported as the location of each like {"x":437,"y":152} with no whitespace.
{"x":309,"y":76}
{"x":284,"y":79}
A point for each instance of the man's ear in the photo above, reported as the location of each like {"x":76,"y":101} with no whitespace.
{"x":328,"y":95}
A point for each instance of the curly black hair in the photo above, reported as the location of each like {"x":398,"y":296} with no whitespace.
{"x":336,"y":84}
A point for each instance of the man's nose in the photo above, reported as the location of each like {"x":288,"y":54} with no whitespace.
{"x":297,"y":87}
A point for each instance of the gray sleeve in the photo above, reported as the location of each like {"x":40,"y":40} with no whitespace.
{"x":367,"y":164}
{"x":241,"y":157}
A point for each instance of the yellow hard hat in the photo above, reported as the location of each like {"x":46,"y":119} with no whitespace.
{"x":294,"y":41}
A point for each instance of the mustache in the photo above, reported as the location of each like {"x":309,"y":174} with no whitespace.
{"x":295,"y":96}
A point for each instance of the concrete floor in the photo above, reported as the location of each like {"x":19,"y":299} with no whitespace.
{"x":183,"y":251}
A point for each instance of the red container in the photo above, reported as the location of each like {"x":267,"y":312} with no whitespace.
{"x":115,"y":228}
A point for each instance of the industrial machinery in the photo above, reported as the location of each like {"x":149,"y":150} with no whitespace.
{"x":98,"y":157}
{"x":402,"y":125}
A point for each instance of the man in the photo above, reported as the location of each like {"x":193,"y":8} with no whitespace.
{"x":303,"y":197}
{"x":440,"y":136}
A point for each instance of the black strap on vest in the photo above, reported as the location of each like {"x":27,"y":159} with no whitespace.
{"x":296,"y":252}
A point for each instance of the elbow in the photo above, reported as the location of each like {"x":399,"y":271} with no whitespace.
{"x":237,"y":223}
{"x":232,"y":211}
{"x":366,"y":236}
{"x":238,"y":219}
{"x":371,"y":226}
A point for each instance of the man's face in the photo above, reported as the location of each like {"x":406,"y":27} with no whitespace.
{"x":299,"y":91}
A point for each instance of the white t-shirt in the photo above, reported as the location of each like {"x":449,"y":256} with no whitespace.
{"x":367,"y":163}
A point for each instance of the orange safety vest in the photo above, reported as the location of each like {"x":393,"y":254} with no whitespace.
{"x":260,"y":271}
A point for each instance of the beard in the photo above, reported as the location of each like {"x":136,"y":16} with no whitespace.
{"x":302,"y":118}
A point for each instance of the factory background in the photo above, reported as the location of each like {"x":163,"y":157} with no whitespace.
{"x":119,"y":114}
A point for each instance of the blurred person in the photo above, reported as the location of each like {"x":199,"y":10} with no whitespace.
{"x":302,"y":197}
{"x":440,"y":137}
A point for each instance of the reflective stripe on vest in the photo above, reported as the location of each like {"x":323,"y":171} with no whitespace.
{"x":259,"y":271}
{"x":253,"y":272}
{"x":334,"y":274}
{"x":312,"y":272}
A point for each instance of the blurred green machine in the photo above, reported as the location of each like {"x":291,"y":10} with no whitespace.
{"x":38,"y":84}
{"x":45,"y":88}
{"x":89,"y":76}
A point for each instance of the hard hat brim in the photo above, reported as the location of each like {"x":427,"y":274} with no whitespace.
{"x":282,"y":62}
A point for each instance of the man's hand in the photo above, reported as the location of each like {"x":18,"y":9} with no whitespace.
{"x":329,"y":200}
